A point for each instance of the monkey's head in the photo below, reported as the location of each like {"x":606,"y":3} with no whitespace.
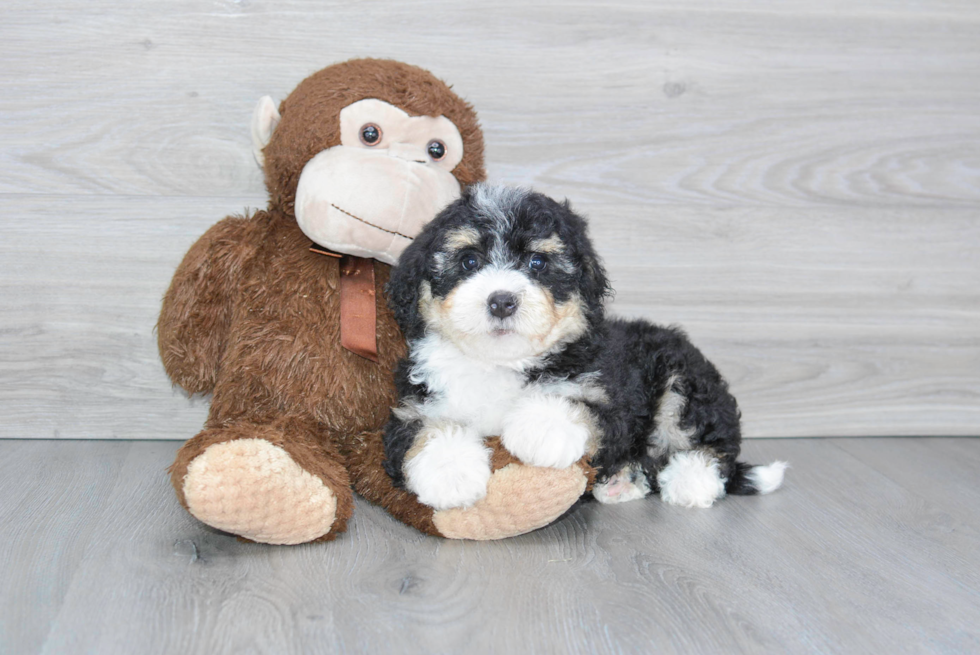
{"x":365,"y":152}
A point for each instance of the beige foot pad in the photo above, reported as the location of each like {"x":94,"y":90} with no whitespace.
{"x":252,"y":488}
{"x":519,"y":499}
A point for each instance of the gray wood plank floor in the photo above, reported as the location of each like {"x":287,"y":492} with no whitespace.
{"x":873,"y":546}
{"x":797,"y":183}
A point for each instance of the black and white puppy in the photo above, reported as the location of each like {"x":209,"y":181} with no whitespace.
{"x":501,"y":300}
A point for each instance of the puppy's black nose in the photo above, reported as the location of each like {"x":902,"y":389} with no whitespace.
{"x":502,"y":303}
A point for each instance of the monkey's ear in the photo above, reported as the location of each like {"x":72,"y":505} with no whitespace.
{"x":264,"y":121}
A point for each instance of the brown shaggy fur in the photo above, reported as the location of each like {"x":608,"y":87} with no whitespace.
{"x":371,"y":481}
{"x":252,"y":316}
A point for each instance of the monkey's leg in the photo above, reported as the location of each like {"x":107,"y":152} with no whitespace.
{"x":275,"y":483}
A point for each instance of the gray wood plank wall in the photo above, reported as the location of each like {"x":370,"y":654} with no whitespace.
{"x":796,"y":183}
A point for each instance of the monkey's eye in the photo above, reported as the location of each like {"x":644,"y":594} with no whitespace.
{"x":470,"y":261}
{"x":537,"y":262}
{"x":370,"y":134}
{"x":436,"y":149}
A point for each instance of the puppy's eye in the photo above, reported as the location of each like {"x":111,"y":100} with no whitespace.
{"x":436,"y":149}
{"x":370,"y":134}
{"x":470,"y":261}
{"x":537,"y":262}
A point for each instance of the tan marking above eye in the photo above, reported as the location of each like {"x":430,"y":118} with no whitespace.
{"x":464,"y":237}
{"x":551,"y":246}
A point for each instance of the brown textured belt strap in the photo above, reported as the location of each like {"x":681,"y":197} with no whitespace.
{"x":358,"y":312}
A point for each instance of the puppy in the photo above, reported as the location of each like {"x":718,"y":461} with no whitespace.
{"x":501,"y":300}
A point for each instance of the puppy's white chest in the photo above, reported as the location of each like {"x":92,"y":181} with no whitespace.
{"x":465,"y":390}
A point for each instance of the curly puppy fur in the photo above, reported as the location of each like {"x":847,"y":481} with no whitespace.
{"x":501,"y":299}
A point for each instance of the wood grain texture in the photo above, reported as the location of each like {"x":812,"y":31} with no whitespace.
{"x":715,"y":102}
{"x":872,"y":546}
{"x":796,"y":183}
{"x":53,"y":495}
{"x":824,"y":327}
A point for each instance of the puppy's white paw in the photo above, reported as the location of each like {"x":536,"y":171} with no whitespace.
{"x":691,"y":479}
{"x":626,"y":485}
{"x":545,"y":430}
{"x":451,"y":470}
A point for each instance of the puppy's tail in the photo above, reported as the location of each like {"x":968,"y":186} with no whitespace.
{"x":749,"y":480}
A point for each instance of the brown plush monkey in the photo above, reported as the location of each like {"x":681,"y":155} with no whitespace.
{"x":297,"y":348}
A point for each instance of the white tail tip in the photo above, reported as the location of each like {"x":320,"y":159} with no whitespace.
{"x":767,"y":479}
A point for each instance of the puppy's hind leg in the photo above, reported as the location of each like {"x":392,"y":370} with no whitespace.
{"x":629,"y":483}
{"x":691,"y":478}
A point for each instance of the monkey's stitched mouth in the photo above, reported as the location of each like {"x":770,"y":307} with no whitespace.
{"x":370,"y":224}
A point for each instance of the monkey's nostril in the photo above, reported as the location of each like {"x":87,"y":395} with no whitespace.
{"x":502,"y":304}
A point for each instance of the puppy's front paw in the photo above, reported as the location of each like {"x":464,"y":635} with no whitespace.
{"x":451,"y":469}
{"x":546,"y":431}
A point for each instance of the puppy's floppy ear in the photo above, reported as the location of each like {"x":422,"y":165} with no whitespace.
{"x":405,"y":284}
{"x":403,"y":288}
{"x":595,"y":285}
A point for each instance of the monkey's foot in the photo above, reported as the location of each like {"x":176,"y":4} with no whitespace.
{"x":253,"y":488}
{"x":520,"y":498}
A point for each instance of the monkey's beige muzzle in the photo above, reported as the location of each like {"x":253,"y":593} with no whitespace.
{"x":370,"y":203}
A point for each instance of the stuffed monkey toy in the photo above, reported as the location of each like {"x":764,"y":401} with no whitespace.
{"x":297,"y":345}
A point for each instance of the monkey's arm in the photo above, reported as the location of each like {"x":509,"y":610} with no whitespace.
{"x":198,"y":306}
